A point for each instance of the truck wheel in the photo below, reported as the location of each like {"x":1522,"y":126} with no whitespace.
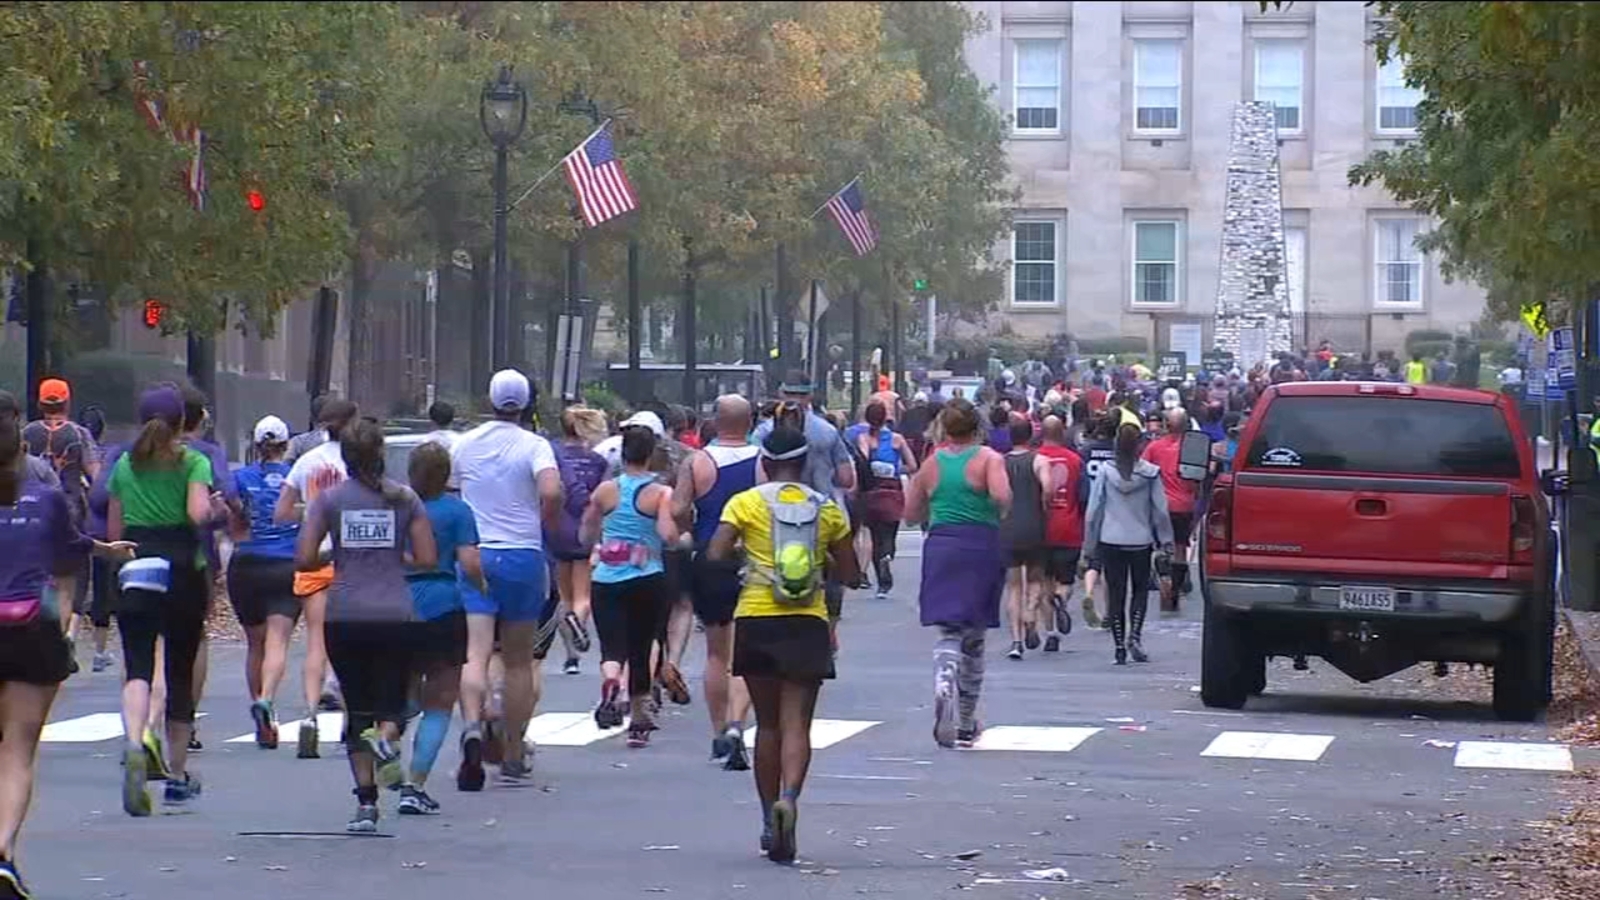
{"x":1519,"y":673}
{"x":1256,"y":674}
{"x":1225,"y":659}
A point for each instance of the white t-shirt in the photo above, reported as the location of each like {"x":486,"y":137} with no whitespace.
{"x":443,"y":436}
{"x":318,"y":469}
{"x":610,"y":450}
{"x":497,"y":467}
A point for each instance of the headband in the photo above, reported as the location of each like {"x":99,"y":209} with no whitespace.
{"x":796,"y":453}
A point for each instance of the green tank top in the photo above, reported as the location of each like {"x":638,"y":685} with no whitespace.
{"x":954,"y":501}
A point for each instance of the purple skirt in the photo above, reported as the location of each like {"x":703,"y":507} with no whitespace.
{"x":963,"y":575}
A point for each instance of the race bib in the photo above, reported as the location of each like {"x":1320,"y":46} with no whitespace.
{"x":367,"y":529}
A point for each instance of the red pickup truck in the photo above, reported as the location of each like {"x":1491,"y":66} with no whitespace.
{"x":1378,"y":526}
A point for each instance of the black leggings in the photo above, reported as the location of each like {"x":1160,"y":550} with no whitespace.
{"x":1126,"y":567}
{"x":883,"y":536}
{"x":629,"y":615}
{"x":178,"y":617}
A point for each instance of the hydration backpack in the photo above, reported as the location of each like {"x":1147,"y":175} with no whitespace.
{"x":796,"y":527}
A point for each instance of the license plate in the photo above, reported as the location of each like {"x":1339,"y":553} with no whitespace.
{"x":1362,"y":598}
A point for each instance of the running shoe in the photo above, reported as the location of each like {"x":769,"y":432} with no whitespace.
{"x":365,"y":820}
{"x":784,"y":818}
{"x":719,"y":749}
{"x":570,"y":667}
{"x":944,"y":709}
{"x":1136,"y":650}
{"x":738,"y":759}
{"x":1091,"y":617}
{"x":1030,"y":636}
{"x":470,"y":777}
{"x":194,"y":741}
{"x":639,"y":735}
{"x":881,"y":594}
{"x":155,"y":757}
{"x":672,"y":680}
{"x":1052,"y":644}
{"x":609,"y":714}
{"x":1016,"y":650}
{"x":1121,"y":657}
{"x":494,"y":749}
{"x":135,"y":799}
{"x":11,"y":885}
{"x":414,"y":801}
{"x":516,"y":772}
{"x":181,"y":791}
{"x":390,"y":772}
{"x":1058,"y":608}
{"x":266,"y":725}
{"x":580,"y":634}
{"x":967,"y":738}
{"x":766,"y":839}
{"x":102,"y":661}
{"x":309,"y":743}
{"x":330,"y":701}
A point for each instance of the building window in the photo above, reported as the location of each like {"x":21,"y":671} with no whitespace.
{"x":1155,"y":263}
{"x":1397,"y":101}
{"x":1399,"y":275}
{"x":1294,"y":263}
{"x":1157,"y":85}
{"x":1280,"y":79}
{"x":1037,"y":82}
{"x":1033,"y":262}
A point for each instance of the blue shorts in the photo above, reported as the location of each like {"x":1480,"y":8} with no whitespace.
{"x":519,"y":586}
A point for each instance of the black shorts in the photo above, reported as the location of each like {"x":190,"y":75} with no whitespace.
{"x":1061,"y":564}
{"x":794,"y":648}
{"x":1029,"y":557}
{"x":82,"y":601}
{"x":439,"y":643}
{"x":1182,"y":527}
{"x":259,"y":587}
{"x":373,"y":661}
{"x":36,"y":653}
{"x":714,"y":588}
{"x":679,"y":567}
{"x":104,"y":592}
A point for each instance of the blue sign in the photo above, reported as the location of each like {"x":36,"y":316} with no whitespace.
{"x":1552,"y":386}
{"x":1564,"y":357}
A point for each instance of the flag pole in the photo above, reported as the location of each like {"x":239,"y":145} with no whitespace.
{"x":831,"y":196}
{"x":552,"y":170}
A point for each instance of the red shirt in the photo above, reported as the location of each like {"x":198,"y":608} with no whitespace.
{"x":1163,"y":452}
{"x":1065,"y":525}
{"x":1096,"y":398}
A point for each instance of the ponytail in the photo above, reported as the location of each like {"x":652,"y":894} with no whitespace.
{"x":156,"y":445}
{"x":1127,"y":450}
{"x":361,"y":445}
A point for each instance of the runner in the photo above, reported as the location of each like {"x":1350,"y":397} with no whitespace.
{"x":508,"y":475}
{"x":1022,"y":532}
{"x":1099,"y":451}
{"x":1182,"y":498}
{"x":582,"y":470}
{"x":261,"y":575}
{"x":160,"y":495}
{"x":320,"y":468}
{"x":306,"y":441}
{"x":1063,"y":536}
{"x":882,"y":498}
{"x":378,"y":529}
{"x":1126,"y":520}
{"x":783,"y":642}
{"x":71,"y":451}
{"x":441,"y":648}
{"x":629,"y":520}
{"x":963,"y":495}
{"x":441,"y":414}
{"x":726,"y":467}
{"x":196,"y":427}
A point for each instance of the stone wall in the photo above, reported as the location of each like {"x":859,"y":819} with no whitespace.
{"x":1252,"y":311}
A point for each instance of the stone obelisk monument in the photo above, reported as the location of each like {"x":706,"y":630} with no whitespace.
{"x":1252,"y":310}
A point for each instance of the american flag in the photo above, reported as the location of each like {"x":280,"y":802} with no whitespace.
{"x":849,"y":210}
{"x":597,"y":178}
{"x":149,"y":105}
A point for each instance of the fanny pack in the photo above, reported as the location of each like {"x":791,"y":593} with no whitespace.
{"x":150,"y":573}
{"x":16,"y":612}
{"x":622,"y":553}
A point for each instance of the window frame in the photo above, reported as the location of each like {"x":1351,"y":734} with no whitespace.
{"x":1178,"y":44}
{"x":1298,"y":285}
{"x":1377,"y":96}
{"x":1380,"y":271}
{"x":1057,"y":269}
{"x":1016,"y":86}
{"x":1134,"y":262}
{"x":1299,"y":44}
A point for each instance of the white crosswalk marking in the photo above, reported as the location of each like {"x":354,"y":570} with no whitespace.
{"x":1502,"y":755}
{"x":1033,"y":738}
{"x":330,"y":730}
{"x":568,"y":730}
{"x":824,"y":732}
{"x":1265,"y":745}
{"x":84,"y":729}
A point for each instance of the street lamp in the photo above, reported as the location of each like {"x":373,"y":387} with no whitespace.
{"x":503,"y":112}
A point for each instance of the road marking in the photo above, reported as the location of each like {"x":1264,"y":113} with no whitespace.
{"x":84,"y":729}
{"x":1264,"y":745}
{"x":824,"y":732}
{"x":1033,"y":738}
{"x":568,"y":730}
{"x":1502,"y":755}
{"x":868,"y":777}
{"x":330,"y":730}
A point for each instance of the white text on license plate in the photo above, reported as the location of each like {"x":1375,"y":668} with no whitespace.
{"x":1366,"y":599}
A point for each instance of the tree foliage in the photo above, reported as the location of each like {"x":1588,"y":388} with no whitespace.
{"x":1505,"y":156}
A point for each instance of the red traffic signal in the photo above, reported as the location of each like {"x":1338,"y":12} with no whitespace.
{"x":153,"y":311}
{"x":256,"y":200}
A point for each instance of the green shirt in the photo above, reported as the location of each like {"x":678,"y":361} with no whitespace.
{"x":158,"y":496}
{"x":954,"y":501}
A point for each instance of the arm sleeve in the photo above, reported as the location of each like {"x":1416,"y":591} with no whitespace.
{"x":733,"y":512}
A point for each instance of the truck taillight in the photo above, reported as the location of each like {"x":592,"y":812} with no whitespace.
{"x":1219,"y":515}
{"x":1523,"y":527}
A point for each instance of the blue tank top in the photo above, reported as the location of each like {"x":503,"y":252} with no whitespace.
{"x":736,"y":472}
{"x":629,"y":547}
{"x":885,"y":459}
{"x":258,"y":487}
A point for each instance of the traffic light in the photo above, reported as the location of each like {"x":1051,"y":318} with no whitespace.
{"x":154,"y":310}
{"x":256,"y":201}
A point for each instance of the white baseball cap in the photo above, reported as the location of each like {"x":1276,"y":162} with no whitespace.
{"x":509,"y":390}
{"x":645,"y":419}
{"x":272,"y":430}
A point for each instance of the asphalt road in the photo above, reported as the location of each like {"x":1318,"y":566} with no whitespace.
{"x":1092,"y":781}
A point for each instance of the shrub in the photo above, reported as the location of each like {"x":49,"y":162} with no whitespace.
{"x":1426,"y":336}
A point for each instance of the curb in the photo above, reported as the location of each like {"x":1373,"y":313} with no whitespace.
{"x":1585,"y":628}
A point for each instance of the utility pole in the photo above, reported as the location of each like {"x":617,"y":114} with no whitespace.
{"x":690,"y":350}
{"x":635,"y":314}
{"x":36,"y":287}
{"x":855,"y":353}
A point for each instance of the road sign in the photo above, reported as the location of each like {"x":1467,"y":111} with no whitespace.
{"x":1564,"y":349}
{"x":1170,"y":366}
{"x":1217,"y":361}
{"x":920,"y":284}
{"x":1533,"y":317}
{"x":569,"y":357}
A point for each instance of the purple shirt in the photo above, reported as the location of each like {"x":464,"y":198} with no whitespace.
{"x":100,"y":491}
{"x":36,"y":537}
{"x":370,"y":540}
{"x":582,"y":470}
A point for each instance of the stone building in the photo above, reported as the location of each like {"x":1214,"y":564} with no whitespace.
{"x":1120,"y":118}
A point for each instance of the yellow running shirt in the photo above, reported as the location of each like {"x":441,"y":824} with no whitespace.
{"x":748,"y":512}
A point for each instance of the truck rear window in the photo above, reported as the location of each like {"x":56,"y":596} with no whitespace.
{"x":1398,"y":435}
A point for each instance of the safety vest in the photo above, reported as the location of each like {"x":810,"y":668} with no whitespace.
{"x":1416,"y":372}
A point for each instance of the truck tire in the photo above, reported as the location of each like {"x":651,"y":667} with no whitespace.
{"x":1256,"y":674}
{"x":1519,"y":680}
{"x":1225,"y":652}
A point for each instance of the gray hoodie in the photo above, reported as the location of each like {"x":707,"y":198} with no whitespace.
{"x":1127,"y":512}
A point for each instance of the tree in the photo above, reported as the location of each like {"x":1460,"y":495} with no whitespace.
{"x":1505,"y":159}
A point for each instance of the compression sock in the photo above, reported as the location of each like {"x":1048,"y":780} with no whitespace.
{"x":431,"y":732}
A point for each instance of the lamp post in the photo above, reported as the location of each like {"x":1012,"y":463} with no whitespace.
{"x":503,"y":112}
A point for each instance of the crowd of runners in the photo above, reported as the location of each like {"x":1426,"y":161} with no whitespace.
{"x":441,"y":589}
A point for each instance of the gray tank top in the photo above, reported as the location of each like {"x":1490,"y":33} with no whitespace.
{"x":1023,"y":528}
